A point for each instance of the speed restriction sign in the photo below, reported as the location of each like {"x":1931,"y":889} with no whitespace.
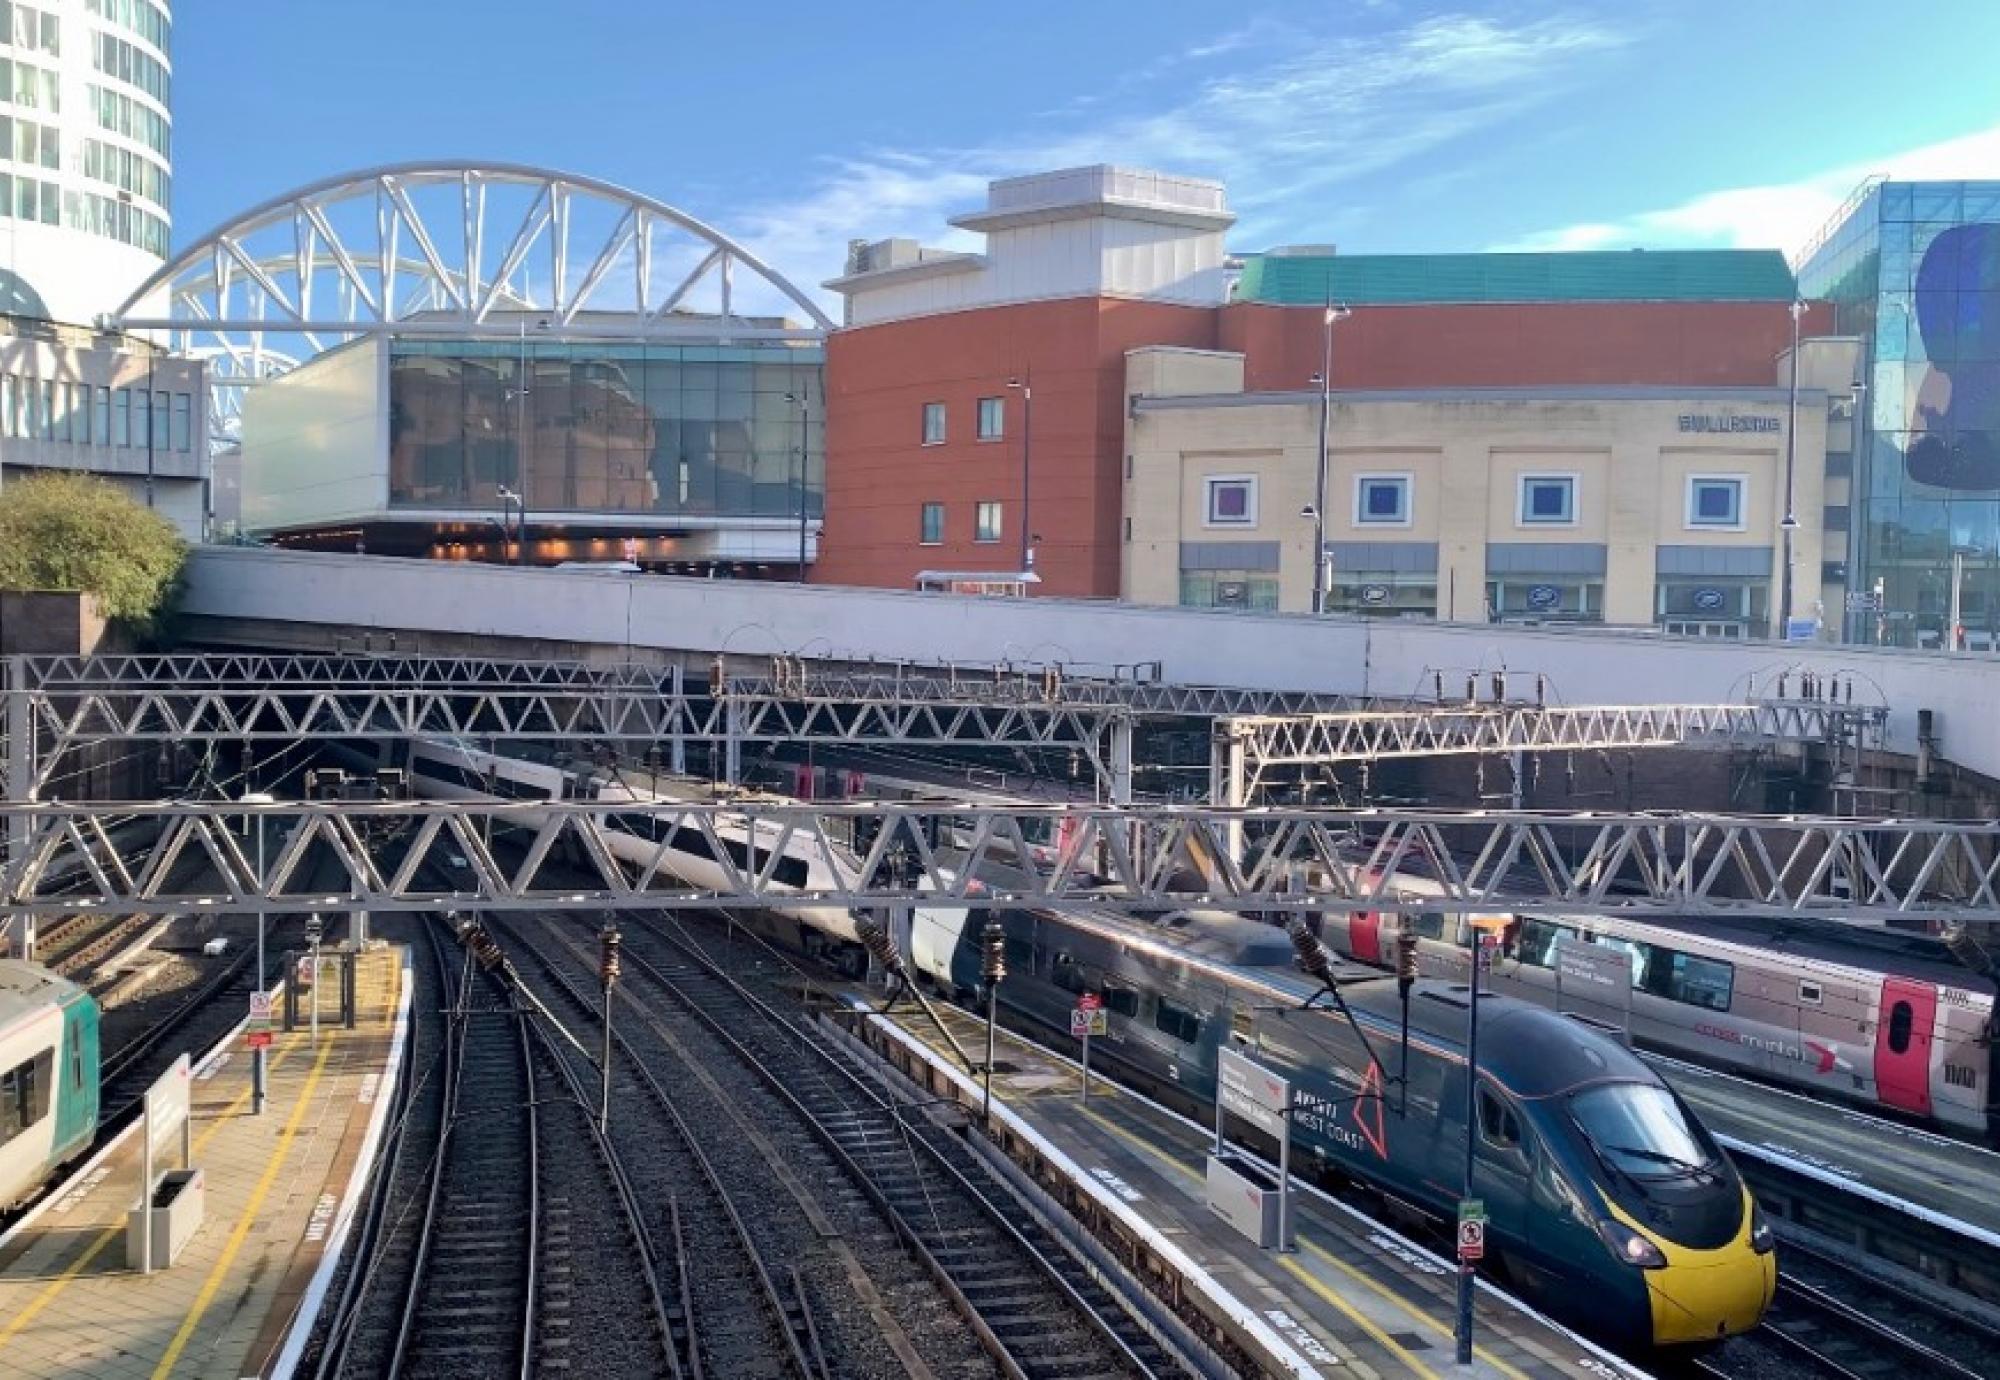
{"x":1472,"y":1239}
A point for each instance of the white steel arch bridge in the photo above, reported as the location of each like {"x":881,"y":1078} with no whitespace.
{"x":458,"y":249}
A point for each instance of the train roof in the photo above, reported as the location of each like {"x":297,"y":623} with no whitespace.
{"x":26,"y":987}
{"x":1531,"y":1051}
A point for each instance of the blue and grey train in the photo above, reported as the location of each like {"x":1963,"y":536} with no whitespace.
{"x":1610,"y":1205}
{"x":48,"y":1076}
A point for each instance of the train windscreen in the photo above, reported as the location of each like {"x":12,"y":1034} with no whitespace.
{"x":1641,"y":1129}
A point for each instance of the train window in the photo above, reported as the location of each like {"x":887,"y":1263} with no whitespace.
{"x":1809,"y":993}
{"x":1182,"y":1024}
{"x":1901,"y":1017}
{"x":1497,"y":1125}
{"x":1430,"y":924}
{"x":1704,"y":982}
{"x":1068,"y":974}
{"x":75,"y":1059}
{"x":1538,"y":942}
{"x":1123,"y":1001}
{"x":1020,"y":955}
{"x":24,"y":1095}
{"x":1243,"y":1025}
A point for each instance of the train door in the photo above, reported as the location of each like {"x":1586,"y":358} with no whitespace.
{"x":1503,"y":1167}
{"x":1364,"y":935}
{"x":1903,"y":1032}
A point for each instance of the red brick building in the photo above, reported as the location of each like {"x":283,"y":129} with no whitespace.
{"x":928,"y":425}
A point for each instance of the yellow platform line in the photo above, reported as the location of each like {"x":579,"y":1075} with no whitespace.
{"x":112,"y":1233}
{"x":241,"y":1232}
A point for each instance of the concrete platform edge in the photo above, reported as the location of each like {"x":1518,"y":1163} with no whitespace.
{"x":336,"y":1246}
{"x":1227,"y":1303}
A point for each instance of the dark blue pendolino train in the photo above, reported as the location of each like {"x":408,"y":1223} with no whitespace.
{"x":1610,"y":1206}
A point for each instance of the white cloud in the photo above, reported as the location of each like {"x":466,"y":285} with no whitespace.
{"x":1301,"y":116}
{"x":1781,"y":215}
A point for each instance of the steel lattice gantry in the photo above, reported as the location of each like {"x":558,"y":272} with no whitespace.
{"x":1248,"y":748}
{"x":880,"y":855}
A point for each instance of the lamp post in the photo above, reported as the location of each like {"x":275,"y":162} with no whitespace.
{"x":608,"y":966}
{"x":1325,"y":381}
{"x":512,"y":552}
{"x":799,"y":400}
{"x":257,"y":1054}
{"x":992,"y":970}
{"x":1790,"y":524}
{"x":1483,"y":928}
{"x":1026,"y":384}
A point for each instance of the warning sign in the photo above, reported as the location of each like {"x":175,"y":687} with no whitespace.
{"x":1084,"y":1022}
{"x":1472,"y":1238}
{"x":260,"y":1006}
{"x":1089,"y":1001}
{"x":260,"y":1039}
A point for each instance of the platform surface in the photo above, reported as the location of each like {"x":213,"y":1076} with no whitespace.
{"x":1354,"y":1299}
{"x":1955,"y":1180}
{"x":69,"y":1306}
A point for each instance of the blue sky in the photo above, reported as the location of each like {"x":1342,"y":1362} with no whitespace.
{"x":1380,"y":126}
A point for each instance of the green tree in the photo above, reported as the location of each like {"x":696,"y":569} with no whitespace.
{"x":60,"y":530}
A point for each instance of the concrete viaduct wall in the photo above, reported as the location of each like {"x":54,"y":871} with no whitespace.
{"x":315,"y":601}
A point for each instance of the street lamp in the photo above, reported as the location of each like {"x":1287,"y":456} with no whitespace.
{"x":1325,"y":381}
{"x":507,"y":498}
{"x":257,"y":1054}
{"x":1026,"y":384}
{"x":1790,"y":524}
{"x":799,"y":400}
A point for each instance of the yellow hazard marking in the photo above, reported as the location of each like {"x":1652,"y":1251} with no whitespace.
{"x":241,"y":1231}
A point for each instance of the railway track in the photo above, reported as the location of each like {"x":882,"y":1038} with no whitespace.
{"x":496,"y":1240}
{"x":196,"y":1022}
{"x":1026,"y":1300}
{"x":86,"y":940}
{"x":1852,"y":1324}
{"x":728,"y":1313}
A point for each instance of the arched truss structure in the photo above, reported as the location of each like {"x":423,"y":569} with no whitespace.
{"x":455,"y":250}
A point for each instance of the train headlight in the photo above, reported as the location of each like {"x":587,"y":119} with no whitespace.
{"x":1761,"y":1239}
{"x":1630,"y":1247}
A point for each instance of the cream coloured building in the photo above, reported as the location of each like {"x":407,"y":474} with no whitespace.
{"x":1639,"y":505}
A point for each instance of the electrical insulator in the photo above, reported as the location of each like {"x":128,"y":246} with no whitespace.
{"x":1499,"y":687}
{"x":1471,"y":688}
{"x":1051,"y":682}
{"x":716,"y":677}
{"x":1541,"y":692}
{"x":1437,"y":686}
{"x":1310,"y":955}
{"x":993,"y":953}
{"x":881,"y":947}
{"x":1406,"y":955}
{"x":608,"y":940}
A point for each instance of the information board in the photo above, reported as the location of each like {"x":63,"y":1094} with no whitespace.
{"x":1253,"y":1092}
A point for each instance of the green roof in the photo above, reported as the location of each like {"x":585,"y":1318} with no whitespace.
{"x":1619,"y":275}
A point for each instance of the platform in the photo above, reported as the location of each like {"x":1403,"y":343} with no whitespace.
{"x":1355,"y":1299}
{"x":280,"y":1188}
{"x":1946,"y":1183}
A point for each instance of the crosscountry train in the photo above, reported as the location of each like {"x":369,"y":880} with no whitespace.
{"x":1892,"y":1032}
{"x":1609,"y":1205}
{"x":48,"y":1076}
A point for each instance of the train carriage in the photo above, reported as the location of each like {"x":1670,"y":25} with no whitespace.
{"x":48,"y":1076}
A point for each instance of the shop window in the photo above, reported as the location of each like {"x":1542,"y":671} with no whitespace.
{"x":934,"y":424}
{"x":1228,"y":589}
{"x":1232,"y":501}
{"x":1384,"y":593}
{"x":1548,"y":500}
{"x":932,"y":533}
{"x":1382,"y":500}
{"x":986,"y":524}
{"x":1715,"y":501}
{"x":992,"y":419}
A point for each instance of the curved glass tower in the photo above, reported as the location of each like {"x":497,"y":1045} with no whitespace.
{"x":86,"y":153}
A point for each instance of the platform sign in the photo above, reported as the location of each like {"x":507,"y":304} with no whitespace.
{"x":168,"y":1102}
{"x":1254,"y":1093}
{"x":1594,"y":980}
{"x":259,"y":1039}
{"x":1082,"y":1023}
{"x":1089,"y":1001}
{"x":1863,"y":601}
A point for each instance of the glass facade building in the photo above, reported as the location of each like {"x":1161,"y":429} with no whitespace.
{"x":591,"y":427}
{"x":1914,"y":269}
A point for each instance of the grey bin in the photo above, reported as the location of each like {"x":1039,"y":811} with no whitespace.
{"x":179,"y":1200}
{"x":1244,"y":1195}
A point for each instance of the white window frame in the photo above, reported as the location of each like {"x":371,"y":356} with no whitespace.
{"x":979,"y":432}
{"x":1695,"y":523}
{"x":922,"y":513}
{"x":1407,"y":481}
{"x":1209,"y":484}
{"x":1521,"y":483}
{"x":978,"y":520}
{"x":944,"y":428}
